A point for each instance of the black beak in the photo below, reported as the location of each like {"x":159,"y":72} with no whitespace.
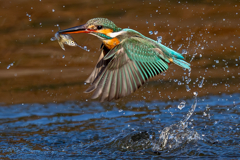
{"x":77,"y":29}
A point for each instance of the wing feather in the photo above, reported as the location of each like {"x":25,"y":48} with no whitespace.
{"x":107,"y":86}
{"x":125,"y":68}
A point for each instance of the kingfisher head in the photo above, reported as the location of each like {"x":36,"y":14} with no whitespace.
{"x":100,"y":27}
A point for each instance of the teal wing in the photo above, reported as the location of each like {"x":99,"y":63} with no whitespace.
{"x":131,"y":64}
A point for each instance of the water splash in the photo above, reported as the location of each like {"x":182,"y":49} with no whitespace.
{"x":193,"y":57}
{"x":179,"y":47}
{"x":29,"y":16}
{"x":177,"y":135}
{"x":189,"y":72}
{"x":10,"y":65}
{"x":200,"y":84}
{"x":159,"y":39}
{"x":184,"y":51}
{"x":84,"y":48}
{"x":187,"y":88}
{"x":181,"y":105}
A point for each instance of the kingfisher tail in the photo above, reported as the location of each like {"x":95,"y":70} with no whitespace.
{"x":182,"y":63}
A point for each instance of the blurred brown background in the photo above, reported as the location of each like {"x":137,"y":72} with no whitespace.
{"x":33,"y":70}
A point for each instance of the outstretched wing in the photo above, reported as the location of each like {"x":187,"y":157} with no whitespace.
{"x":131,"y":64}
{"x":100,"y":66}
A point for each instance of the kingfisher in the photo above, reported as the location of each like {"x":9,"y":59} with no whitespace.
{"x":127,"y":59}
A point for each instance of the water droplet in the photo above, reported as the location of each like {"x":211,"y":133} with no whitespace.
{"x":11,"y":64}
{"x":193,"y":56}
{"x":63,"y":56}
{"x":204,"y":114}
{"x":188,"y":80}
{"x":120,"y":110}
{"x":181,"y":105}
{"x":201,"y":83}
{"x":150,"y":32}
{"x":85,"y":48}
{"x":53,"y":10}
{"x":155,"y":32}
{"x":159,"y":39}
{"x":146,"y":22}
{"x":189,"y":72}
{"x":179,"y":47}
{"x":195,"y":93}
{"x":184,"y":51}
{"x":29,"y":19}
{"x":187,"y":88}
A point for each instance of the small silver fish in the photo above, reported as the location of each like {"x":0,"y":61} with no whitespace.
{"x":64,"y":39}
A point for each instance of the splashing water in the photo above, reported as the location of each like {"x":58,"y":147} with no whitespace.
{"x":200,"y":84}
{"x":177,"y":135}
{"x":187,"y":88}
{"x":85,"y":48}
{"x":181,"y":105}
{"x":179,"y":47}
{"x":193,"y":57}
{"x":159,"y":39}
{"x":189,"y":72}
{"x":10,"y":65}
{"x":184,"y":51}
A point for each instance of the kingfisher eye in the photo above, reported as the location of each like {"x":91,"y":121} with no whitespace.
{"x":99,"y":27}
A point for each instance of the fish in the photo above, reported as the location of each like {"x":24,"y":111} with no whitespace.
{"x":64,"y":39}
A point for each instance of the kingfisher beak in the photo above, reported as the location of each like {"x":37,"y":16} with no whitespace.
{"x":77,"y":29}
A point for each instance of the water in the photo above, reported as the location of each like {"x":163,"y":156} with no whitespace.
{"x":181,"y":105}
{"x":141,"y":130}
{"x":159,"y":39}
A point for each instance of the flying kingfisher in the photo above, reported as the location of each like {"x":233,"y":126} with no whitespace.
{"x":127,"y":60}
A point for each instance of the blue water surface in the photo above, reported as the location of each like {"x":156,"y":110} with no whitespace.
{"x":96,"y":130}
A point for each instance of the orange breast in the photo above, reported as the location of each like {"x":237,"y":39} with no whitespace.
{"x":111,"y":43}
